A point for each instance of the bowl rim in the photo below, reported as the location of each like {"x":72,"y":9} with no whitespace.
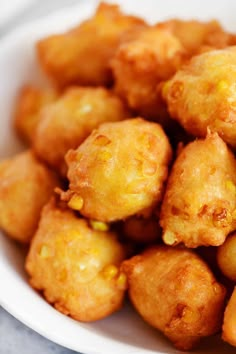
{"x":87,"y":340}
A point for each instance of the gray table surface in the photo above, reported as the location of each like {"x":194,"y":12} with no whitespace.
{"x":15,"y":338}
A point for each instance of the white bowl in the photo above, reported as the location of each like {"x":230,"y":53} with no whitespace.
{"x":124,"y":332}
{"x":12,"y":8}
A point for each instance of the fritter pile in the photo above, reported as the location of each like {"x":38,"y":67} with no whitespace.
{"x":129,"y":177}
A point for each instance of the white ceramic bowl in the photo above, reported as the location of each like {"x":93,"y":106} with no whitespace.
{"x":12,"y":8}
{"x":124,"y":332}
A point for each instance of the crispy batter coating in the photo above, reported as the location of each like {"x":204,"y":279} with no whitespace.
{"x":82,"y":55}
{"x":142,"y":230}
{"x":195,"y":35}
{"x":175,"y":292}
{"x":202,"y":94}
{"x":76,"y":267}
{"x":30,"y":101}
{"x":226,"y":257}
{"x":141,"y":64}
{"x":229,"y":324}
{"x":25,"y":186}
{"x":119,"y":170}
{"x":199,"y":203}
{"x":67,"y":122}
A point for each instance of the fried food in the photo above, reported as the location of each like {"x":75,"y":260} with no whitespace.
{"x":201,"y":95}
{"x":139,"y":67}
{"x":226,"y":257}
{"x":199,"y":203}
{"x":67,"y":122}
{"x":82,"y":55}
{"x":116,"y":199}
{"x":142,"y":230}
{"x":195,"y":35}
{"x":164,"y":285}
{"x":30,"y":101}
{"x":25,"y":186}
{"x":76,"y":267}
{"x":229,"y":324}
{"x":119,"y":170}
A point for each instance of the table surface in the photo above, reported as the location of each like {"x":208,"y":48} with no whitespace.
{"x":15,"y":338}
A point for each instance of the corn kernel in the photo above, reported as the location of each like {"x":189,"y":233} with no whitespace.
{"x":222,"y":85}
{"x":99,"y":225}
{"x":230,"y":186}
{"x":169,"y":238}
{"x":76,"y":202}
{"x":190,"y":316}
{"x":110,"y":271}
{"x":165,"y":88}
{"x":105,"y":155}
{"x":44,"y":252}
{"x":122,"y":281}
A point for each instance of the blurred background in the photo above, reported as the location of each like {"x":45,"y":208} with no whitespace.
{"x":16,"y":12}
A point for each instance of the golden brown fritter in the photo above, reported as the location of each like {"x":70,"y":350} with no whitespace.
{"x":199,"y":203}
{"x":82,"y":55}
{"x":229,"y":324}
{"x":140,"y":65}
{"x":76,"y":267}
{"x":67,"y":122}
{"x":25,"y":186}
{"x":195,"y":35}
{"x":30,"y":101}
{"x":226,"y":257}
{"x":142,"y":230}
{"x":175,"y":292}
{"x":202,"y":95}
{"x":119,"y":170}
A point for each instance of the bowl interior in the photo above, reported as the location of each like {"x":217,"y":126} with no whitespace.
{"x":124,"y":332}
